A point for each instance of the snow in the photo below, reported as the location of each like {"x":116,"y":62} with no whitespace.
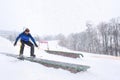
{"x":102,"y":67}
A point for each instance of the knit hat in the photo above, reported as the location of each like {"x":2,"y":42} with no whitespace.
{"x":27,"y":30}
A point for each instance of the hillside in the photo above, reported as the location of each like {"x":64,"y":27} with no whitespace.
{"x":102,"y":67}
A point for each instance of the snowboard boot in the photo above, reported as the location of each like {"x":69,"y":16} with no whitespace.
{"x":33,"y":56}
{"x":20,"y":57}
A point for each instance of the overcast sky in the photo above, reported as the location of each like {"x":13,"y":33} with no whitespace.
{"x":55,"y":16}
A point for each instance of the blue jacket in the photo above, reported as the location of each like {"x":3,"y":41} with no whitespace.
{"x":25,"y":37}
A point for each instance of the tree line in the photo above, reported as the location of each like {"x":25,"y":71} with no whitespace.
{"x":103,"y":38}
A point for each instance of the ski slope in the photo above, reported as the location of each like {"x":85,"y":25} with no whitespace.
{"x":102,"y":67}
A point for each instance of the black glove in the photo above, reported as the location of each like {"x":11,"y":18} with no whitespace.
{"x":15,"y":44}
{"x":36,"y":45}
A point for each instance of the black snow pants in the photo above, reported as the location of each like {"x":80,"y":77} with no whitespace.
{"x":29,"y":44}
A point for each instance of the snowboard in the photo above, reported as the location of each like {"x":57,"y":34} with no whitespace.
{"x":20,"y":57}
{"x":23,"y":57}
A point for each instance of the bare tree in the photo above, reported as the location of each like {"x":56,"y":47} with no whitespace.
{"x":116,"y":33}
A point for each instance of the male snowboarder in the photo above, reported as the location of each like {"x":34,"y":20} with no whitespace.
{"x":24,"y":39}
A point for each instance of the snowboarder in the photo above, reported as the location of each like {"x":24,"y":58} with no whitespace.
{"x":24,"y":39}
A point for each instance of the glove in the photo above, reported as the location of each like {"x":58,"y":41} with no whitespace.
{"x":36,"y":45}
{"x":15,"y":44}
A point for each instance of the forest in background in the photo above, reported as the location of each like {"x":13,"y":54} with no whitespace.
{"x":103,"y":38}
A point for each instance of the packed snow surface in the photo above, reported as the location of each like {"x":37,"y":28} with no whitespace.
{"x":102,"y":67}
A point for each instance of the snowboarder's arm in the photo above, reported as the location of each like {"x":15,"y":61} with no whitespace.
{"x":33,"y":40}
{"x":17,"y":39}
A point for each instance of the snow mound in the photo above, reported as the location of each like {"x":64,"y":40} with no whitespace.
{"x":6,"y":45}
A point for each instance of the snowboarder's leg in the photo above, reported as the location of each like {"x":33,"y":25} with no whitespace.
{"x":22,"y":48}
{"x":31,"y":48}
